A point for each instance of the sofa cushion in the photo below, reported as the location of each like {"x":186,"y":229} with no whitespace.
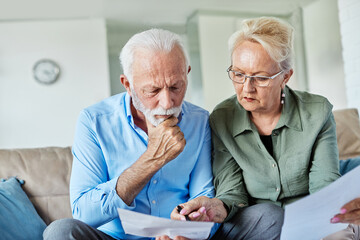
{"x":348,"y":132}
{"x":18,"y":217}
{"x":46,"y":172}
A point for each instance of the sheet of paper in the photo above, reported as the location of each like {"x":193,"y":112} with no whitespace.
{"x":309,"y":218}
{"x":144,"y":225}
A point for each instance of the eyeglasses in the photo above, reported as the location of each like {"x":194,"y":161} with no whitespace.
{"x":260,"y":81}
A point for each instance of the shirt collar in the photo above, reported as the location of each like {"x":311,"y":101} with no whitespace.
{"x":128,"y":109}
{"x":241,"y":120}
{"x":290,"y":116}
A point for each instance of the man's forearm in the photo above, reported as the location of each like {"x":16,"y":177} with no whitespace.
{"x":134,"y":178}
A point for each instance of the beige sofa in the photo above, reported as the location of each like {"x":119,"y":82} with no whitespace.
{"x":46,"y":171}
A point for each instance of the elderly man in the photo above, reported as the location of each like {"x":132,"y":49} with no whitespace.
{"x":145,"y":150}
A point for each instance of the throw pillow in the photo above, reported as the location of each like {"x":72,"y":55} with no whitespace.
{"x":18,"y":217}
{"x":349,"y":164}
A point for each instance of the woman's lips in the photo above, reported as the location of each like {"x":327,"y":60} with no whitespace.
{"x":248,"y":99}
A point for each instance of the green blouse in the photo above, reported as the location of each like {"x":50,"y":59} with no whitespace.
{"x":305,"y":154}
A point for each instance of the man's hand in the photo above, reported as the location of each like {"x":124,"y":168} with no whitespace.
{"x":349,"y":213}
{"x":166,"y":141}
{"x":202,"y":209}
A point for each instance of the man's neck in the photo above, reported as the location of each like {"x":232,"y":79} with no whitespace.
{"x":139,"y":118}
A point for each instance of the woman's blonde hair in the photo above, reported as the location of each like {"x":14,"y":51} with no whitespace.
{"x":275,"y":35}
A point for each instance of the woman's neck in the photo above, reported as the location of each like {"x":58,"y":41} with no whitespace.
{"x":266,"y":122}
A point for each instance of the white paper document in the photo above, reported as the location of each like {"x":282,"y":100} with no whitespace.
{"x":309,"y":218}
{"x":144,"y":225}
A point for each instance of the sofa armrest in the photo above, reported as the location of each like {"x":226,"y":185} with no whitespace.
{"x":348,"y":132}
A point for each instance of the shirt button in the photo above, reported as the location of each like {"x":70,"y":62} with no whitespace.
{"x":277,"y":189}
{"x":155,"y":181}
{"x":153,"y":201}
{"x":274,"y":165}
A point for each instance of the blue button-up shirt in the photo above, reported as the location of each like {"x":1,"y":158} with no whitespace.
{"x":107,"y":142}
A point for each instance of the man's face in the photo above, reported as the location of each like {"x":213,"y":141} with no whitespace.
{"x":159,"y":84}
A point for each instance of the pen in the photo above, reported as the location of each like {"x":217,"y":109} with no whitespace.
{"x":179,"y":208}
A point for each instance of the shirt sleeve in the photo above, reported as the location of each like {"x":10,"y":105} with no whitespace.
{"x":92,"y":194}
{"x":325,"y":164}
{"x":228,"y":178}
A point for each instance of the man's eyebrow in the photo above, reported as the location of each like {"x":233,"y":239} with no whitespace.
{"x":178,"y":83}
{"x":150,"y":86}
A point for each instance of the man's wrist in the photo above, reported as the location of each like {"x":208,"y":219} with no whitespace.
{"x":150,"y":161}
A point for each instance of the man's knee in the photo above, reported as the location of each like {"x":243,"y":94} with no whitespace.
{"x":62,"y":228}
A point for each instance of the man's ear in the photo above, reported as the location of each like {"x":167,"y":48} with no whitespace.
{"x":287,"y":77}
{"x":125,"y":82}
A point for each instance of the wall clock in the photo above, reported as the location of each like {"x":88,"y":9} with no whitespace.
{"x":46,"y":71}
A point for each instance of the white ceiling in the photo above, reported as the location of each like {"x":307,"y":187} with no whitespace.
{"x":139,"y":12}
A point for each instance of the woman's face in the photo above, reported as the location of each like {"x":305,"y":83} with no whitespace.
{"x":251,"y":59}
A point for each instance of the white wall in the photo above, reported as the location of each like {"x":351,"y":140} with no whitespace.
{"x":325,"y":69}
{"x":117,"y":36}
{"x":35,"y":115}
{"x":350,"y":36}
{"x":214,"y":32}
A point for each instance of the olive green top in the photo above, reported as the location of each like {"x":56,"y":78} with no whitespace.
{"x":304,"y":149}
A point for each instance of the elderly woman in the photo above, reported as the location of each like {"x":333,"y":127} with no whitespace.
{"x":271,"y":144}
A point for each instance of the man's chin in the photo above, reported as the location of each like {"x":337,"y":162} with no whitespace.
{"x":163,"y":117}
{"x":155,"y":121}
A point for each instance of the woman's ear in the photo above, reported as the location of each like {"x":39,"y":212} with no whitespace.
{"x":125,"y":82}
{"x":287,"y":77}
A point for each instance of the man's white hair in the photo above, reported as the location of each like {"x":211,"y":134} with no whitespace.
{"x":153,"y":40}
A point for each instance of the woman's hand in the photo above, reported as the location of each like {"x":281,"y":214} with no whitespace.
{"x":201,"y":209}
{"x":167,"y":238}
{"x":349,"y":213}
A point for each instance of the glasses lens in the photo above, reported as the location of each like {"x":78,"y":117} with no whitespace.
{"x":236,"y":76}
{"x":261,"y":82}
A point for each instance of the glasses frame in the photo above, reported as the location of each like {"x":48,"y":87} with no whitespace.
{"x":251,"y":77}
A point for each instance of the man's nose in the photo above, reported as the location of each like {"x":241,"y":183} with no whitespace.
{"x":165,"y":100}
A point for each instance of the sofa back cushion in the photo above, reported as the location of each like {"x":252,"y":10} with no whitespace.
{"x":348,"y":132}
{"x":46,"y":172}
